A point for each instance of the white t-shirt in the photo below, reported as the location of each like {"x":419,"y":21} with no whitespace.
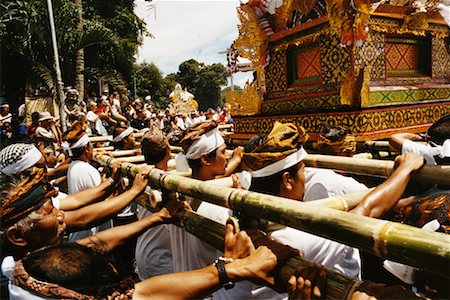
{"x":44,"y":132}
{"x":180,"y":124}
{"x":333,"y":255}
{"x":153,"y":249}
{"x":420,"y":149}
{"x":82,"y":176}
{"x":190,"y":253}
{"x":96,"y":123}
{"x":319,"y":184}
{"x":323,"y":183}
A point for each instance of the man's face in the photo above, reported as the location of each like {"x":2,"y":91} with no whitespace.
{"x":48,"y":229}
{"x":219,"y":164}
{"x":128,"y":142}
{"x":90,"y":151}
{"x":298,"y":186}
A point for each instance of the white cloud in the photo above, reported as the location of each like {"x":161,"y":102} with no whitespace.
{"x":188,"y":29}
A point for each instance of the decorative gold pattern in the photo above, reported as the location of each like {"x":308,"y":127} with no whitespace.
{"x":276,"y":72}
{"x":364,"y":122}
{"x":248,"y":102}
{"x":441,"y":58}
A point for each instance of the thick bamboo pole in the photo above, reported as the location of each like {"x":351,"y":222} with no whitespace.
{"x":102,"y":138}
{"x":429,"y":173}
{"x":109,"y":148}
{"x":345,"y":202}
{"x":406,"y":244}
{"x":338,"y":286}
{"x":121,"y":153}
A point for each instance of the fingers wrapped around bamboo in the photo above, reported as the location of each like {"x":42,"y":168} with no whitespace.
{"x":429,"y":173}
{"x":402,"y":243}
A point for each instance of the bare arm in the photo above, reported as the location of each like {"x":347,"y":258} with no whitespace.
{"x":80,"y":199}
{"x":116,"y":236}
{"x":396,"y":141}
{"x":234,"y":162}
{"x":202,"y":282}
{"x":98,"y":211}
{"x":385,"y":196}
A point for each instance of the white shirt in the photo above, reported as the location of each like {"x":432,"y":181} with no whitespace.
{"x":319,"y":184}
{"x":44,"y":132}
{"x":180,"y":124}
{"x":6,"y":119}
{"x":420,"y":149}
{"x":323,"y":183}
{"x":190,"y":253}
{"x":82,"y":176}
{"x":153,"y":249}
{"x":96,"y":123}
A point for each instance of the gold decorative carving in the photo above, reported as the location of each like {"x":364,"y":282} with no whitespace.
{"x":248,"y":102}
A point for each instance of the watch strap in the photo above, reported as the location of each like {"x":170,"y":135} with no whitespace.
{"x":223,"y":276}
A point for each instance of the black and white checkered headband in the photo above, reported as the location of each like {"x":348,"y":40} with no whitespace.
{"x":17,"y":158}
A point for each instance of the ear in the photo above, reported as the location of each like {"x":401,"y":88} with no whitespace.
{"x":204,"y":160}
{"x":15,"y":236}
{"x":286,"y":181}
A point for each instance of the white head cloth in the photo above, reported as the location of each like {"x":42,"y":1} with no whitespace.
{"x":123,"y":134}
{"x":83,"y":141}
{"x":17,"y":158}
{"x":280,"y":165}
{"x":207,"y":143}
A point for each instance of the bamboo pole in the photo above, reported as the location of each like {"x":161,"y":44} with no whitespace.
{"x":121,"y":153}
{"x":429,"y":173}
{"x":109,"y":148}
{"x":345,"y":202}
{"x":338,"y":286}
{"x":402,"y":243}
{"x":102,"y":138}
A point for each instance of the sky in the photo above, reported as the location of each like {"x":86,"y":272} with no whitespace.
{"x":188,"y":29}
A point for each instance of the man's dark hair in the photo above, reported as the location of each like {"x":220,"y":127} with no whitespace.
{"x":75,"y":267}
{"x":35,"y":116}
{"x":195,"y":163}
{"x":440,"y":130}
{"x":154,"y":149}
{"x":271,"y":184}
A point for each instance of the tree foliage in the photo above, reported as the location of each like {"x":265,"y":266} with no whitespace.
{"x":204,"y":81}
{"x":111,"y":37}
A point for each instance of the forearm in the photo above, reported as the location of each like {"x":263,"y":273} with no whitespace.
{"x":385,"y":196}
{"x":396,"y":141}
{"x":88,"y":214}
{"x":59,"y":171}
{"x":83,"y":198}
{"x":118,"y":235}
{"x":196,"y":284}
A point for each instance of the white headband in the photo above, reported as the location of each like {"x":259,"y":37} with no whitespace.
{"x":123,"y":134}
{"x":27,"y":161}
{"x":83,"y":141}
{"x":207,"y":143}
{"x":280,"y":165}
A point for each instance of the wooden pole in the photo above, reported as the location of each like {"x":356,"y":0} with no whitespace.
{"x":109,"y":148}
{"x":429,"y":173}
{"x":102,"y":138}
{"x":402,"y":243}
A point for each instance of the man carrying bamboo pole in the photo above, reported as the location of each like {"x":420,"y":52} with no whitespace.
{"x":153,"y":249}
{"x":276,"y":168}
{"x":81,"y":175}
{"x":204,"y":150}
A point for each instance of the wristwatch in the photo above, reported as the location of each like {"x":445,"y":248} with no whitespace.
{"x":223,"y":276}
